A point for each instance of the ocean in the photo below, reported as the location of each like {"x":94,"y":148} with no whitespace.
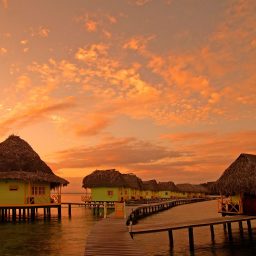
{"x":68,"y":236}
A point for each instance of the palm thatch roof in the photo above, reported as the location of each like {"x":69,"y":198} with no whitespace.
{"x":239,"y":177}
{"x":132,"y":181}
{"x":150,"y":185}
{"x":167,"y":186}
{"x":186,"y":187}
{"x":111,"y":178}
{"x":20,"y":162}
{"x":104,"y":178}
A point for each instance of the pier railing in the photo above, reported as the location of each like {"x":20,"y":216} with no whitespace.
{"x":149,"y":209}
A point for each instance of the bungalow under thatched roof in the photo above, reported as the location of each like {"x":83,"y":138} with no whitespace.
{"x":132,"y":181}
{"x":20,"y":162}
{"x":104,"y":178}
{"x":150,"y":185}
{"x":239,"y":177}
{"x":186,"y":187}
{"x":167,"y":186}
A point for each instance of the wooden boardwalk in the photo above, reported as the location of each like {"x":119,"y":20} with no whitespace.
{"x":190,"y":225}
{"x":111,"y":237}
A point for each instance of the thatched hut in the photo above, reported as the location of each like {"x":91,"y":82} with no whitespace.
{"x":150,"y":189}
{"x":167,"y":189}
{"x":105,"y":185}
{"x":24,"y":177}
{"x":134,"y":185}
{"x":238,"y":184}
{"x":187,"y":190}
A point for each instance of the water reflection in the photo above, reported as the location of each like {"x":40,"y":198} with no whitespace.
{"x":50,"y":237}
{"x":158,"y":243}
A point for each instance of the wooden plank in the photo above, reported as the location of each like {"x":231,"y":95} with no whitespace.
{"x":110,"y":236}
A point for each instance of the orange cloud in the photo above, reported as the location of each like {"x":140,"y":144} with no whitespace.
{"x":3,"y":51}
{"x":92,"y":126}
{"x":91,"y":26}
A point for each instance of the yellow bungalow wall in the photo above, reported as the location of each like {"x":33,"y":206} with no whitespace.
{"x":14,"y":192}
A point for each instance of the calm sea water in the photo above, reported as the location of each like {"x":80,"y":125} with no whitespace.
{"x":52,"y":238}
{"x":158,"y":243}
{"x":68,"y":236}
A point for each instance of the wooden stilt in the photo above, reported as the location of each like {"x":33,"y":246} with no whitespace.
{"x":241,"y":228}
{"x":249,"y":228}
{"x":69,"y":210}
{"x":229,"y":231}
{"x":191,"y":238}
{"x":170,"y":238}
{"x":14,"y":214}
{"x":225,"y":227}
{"x":59,"y":212}
{"x":212,"y":233}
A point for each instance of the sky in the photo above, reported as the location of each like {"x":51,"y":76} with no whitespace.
{"x":164,"y":89}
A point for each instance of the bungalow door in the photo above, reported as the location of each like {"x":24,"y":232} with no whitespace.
{"x":249,"y":204}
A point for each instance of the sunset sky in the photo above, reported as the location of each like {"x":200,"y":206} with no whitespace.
{"x":165,"y":89}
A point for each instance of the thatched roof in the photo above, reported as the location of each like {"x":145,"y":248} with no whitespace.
{"x":167,"y":186}
{"x":19,"y":161}
{"x":111,"y":178}
{"x":132,"y":181}
{"x":239,"y":177}
{"x":150,"y":185}
{"x":186,"y":187}
{"x":104,"y":178}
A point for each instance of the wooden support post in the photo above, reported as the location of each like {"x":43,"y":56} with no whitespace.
{"x":23,"y":213}
{"x":45,"y":213}
{"x":191,"y":238}
{"x":19,"y":214}
{"x":105,"y":210}
{"x":32,"y":214}
{"x":170,"y":238}
{"x":59,"y":212}
{"x":2,"y":214}
{"x":225,"y":227}
{"x":241,"y":228}
{"x":249,"y":228}
{"x":14,"y":214}
{"x":69,"y":210}
{"x":212,"y":232}
{"x":229,"y":231}
{"x":49,"y":212}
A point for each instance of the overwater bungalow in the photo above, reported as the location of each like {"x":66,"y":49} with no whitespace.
{"x":150,"y":189}
{"x":24,"y":178}
{"x":113,"y":186}
{"x":187,"y":190}
{"x":133,"y":187}
{"x":237,"y":186}
{"x":167,"y":190}
{"x":105,"y":185}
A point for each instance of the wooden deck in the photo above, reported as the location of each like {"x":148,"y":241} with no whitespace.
{"x":190,"y":225}
{"x":111,"y":237}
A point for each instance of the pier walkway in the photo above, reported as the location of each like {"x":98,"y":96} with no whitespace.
{"x":110,"y":236}
{"x":190,"y":225}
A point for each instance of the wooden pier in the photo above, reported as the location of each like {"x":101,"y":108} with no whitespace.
{"x":149,"y":209}
{"x":111,"y":237}
{"x":169,"y":228}
{"x":28,"y":212}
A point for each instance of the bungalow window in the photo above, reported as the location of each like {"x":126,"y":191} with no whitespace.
{"x":13,"y":188}
{"x":110,"y":192}
{"x":166,"y":193}
{"x":34,"y":190}
{"x":41,"y":190}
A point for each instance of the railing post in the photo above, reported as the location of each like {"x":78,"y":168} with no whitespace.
{"x":212,"y":232}
{"x":191,"y":238}
{"x":170,"y":238}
